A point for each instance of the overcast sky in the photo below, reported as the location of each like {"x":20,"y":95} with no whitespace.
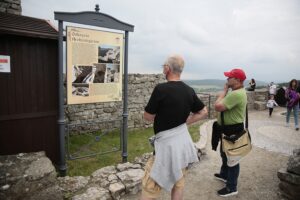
{"x":260,"y":36}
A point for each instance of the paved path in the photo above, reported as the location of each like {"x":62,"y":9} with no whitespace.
{"x":273,"y":142}
{"x":271,"y":133}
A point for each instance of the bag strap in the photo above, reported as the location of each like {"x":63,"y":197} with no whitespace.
{"x":246,"y":123}
{"x":247,"y":117}
{"x":222,"y":120}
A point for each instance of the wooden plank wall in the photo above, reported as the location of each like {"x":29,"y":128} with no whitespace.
{"x":29,"y":96}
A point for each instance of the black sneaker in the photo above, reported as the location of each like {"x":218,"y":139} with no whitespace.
{"x":297,"y":129}
{"x":219,"y":177}
{"x":225,"y":192}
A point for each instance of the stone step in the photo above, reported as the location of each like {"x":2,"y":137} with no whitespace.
{"x":260,"y":105}
{"x":289,"y":190}
{"x":260,"y":98}
{"x":288,"y":177}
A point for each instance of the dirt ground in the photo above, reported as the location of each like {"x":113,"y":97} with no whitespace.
{"x":257,"y":180}
{"x":258,"y":170}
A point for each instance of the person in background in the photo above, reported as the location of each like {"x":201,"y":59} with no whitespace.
{"x":271,"y":104}
{"x":272,"y":89}
{"x":292,"y":96}
{"x":172,"y":106}
{"x":298,"y":91}
{"x":252,"y":85}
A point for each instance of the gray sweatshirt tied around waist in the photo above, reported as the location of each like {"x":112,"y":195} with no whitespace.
{"x":174,"y":151}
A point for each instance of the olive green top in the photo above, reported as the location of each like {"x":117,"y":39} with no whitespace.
{"x":235,"y":103}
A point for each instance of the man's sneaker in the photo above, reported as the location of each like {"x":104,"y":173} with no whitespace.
{"x":297,"y":129}
{"x":225,"y":192}
{"x":219,"y":177}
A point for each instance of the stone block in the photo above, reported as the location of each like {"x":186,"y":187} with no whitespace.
{"x":98,"y":105}
{"x":250,"y":99}
{"x":112,"y":178}
{"x":284,"y":175}
{"x":250,"y":106}
{"x":142,"y":160}
{"x":39,"y":168}
{"x":94,"y":193}
{"x":73,"y":184}
{"x":28,"y":176}
{"x":104,"y":172}
{"x":12,"y":11}
{"x":4,"y":5}
{"x":261,"y":98}
{"x":15,"y":6}
{"x":48,"y":193}
{"x":296,"y":152}
{"x":108,"y":110}
{"x":132,"y":179}
{"x":13,"y":1}
{"x":289,"y":190}
{"x":128,"y":165}
{"x":117,"y":190}
{"x":259,"y":105}
{"x":293,"y":165}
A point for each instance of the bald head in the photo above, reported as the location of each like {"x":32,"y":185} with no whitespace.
{"x":176,"y":63}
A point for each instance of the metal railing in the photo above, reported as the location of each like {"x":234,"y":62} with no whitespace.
{"x":208,"y":104}
{"x":93,"y":134}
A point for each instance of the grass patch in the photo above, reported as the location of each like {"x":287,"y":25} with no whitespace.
{"x":93,"y":142}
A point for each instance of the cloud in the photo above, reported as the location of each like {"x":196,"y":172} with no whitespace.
{"x":261,"y":36}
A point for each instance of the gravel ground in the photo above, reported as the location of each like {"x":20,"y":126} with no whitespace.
{"x":273,"y":142}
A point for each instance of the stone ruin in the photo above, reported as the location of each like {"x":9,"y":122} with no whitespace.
{"x":290,"y":177}
{"x":11,"y":6}
{"x":28,"y":176}
{"x":32,"y":176}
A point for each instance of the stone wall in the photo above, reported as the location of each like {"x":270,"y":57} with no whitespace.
{"x":260,"y":99}
{"x":32,"y":176}
{"x":290,"y":177}
{"x":107,"y":116}
{"x":11,"y":6}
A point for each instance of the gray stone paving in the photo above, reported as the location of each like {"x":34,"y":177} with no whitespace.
{"x":272,"y":141}
{"x":271,"y":133}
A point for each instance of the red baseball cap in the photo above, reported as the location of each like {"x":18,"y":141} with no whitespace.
{"x":236,"y":73}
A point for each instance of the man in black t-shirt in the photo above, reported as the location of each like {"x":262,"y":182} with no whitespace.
{"x":170,"y":106}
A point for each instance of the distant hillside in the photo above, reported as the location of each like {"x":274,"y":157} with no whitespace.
{"x":218,"y":82}
{"x":215,"y":82}
{"x":215,"y":85}
{"x":286,"y":84}
{"x":258,"y":83}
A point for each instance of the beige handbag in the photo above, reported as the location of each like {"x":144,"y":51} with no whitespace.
{"x":241,"y":147}
{"x":235,"y":151}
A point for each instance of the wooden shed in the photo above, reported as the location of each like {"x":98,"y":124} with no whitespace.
{"x":29,"y":92}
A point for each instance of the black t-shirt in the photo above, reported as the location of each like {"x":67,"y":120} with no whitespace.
{"x":172,"y":102}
